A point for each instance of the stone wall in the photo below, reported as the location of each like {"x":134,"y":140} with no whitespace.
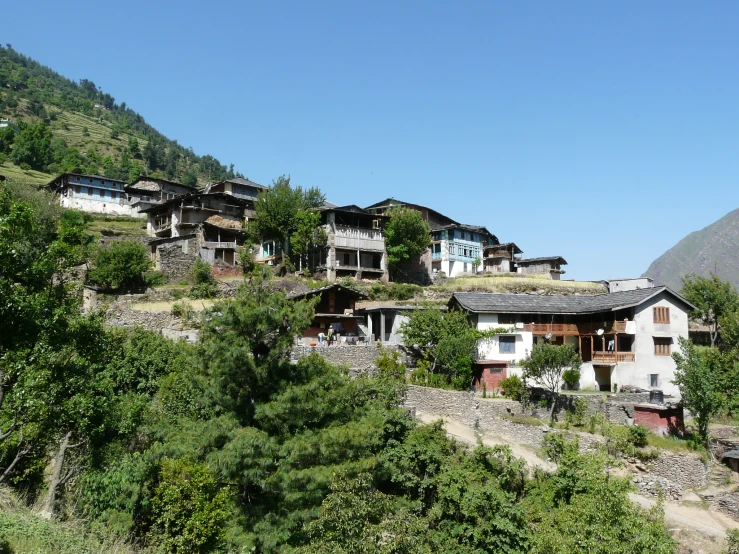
{"x":671,"y":471}
{"x":727,"y":503}
{"x":360,"y":358}
{"x":175,"y":259}
{"x":652,"y":485}
{"x":687,"y":470}
{"x":121,"y":315}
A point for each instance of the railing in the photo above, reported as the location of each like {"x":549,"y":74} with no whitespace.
{"x":575,"y":328}
{"x":435,"y":255}
{"x":613,"y":357}
{"x":208,"y":244}
{"x":358,"y":239}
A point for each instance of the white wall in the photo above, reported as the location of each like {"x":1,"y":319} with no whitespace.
{"x":489,"y":349}
{"x":97,"y":207}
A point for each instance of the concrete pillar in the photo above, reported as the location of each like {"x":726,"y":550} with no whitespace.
{"x":382,"y":326}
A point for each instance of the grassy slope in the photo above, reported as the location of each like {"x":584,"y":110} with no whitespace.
{"x":26,"y":533}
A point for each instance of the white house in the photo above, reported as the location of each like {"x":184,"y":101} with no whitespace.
{"x":625,"y":338}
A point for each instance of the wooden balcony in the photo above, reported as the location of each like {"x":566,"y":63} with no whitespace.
{"x":613,"y":357}
{"x":575,"y":329}
{"x":209,"y":244}
{"x":353,"y":238}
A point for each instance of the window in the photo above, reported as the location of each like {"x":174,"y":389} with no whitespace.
{"x":496,"y":370}
{"x":507,"y":319}
{"x":89,"y":191}
{"x":661,"y":314}
{"x":346,"y":259}
{"x":101,"y":192}
{"x":507,"y":345}
{"x":662,"y":346}
{"x":654,"y":379}
{"x":77,"y":189}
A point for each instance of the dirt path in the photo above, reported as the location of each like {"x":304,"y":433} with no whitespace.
{"x":698,"y":530}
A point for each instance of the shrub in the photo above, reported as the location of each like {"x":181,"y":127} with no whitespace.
{"x":154,"y":278}
{"x":121,"y":265}
{"x":571,"y":377}
{"x":389,"y":363}
{"x":3,"y":159}
{"x":514,"y":388}
{"x":25,"y":167}
{"x":182,"y":309}
{"x":203,"y":291}
{"x":638,"y":435}
{"x":201,"y":272}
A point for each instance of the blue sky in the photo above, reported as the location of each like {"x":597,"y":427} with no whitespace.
{"x":599,"y":131}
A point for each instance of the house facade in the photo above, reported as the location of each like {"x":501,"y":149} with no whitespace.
{"x":238,"y":187}
{"x":91,"y":193}
{"x":208,"y":226}
{"x":500,"y":258}
{"x":549,"y":266}
{"x":145,"y":192}
{"x":335,"y":309}
{"x":624,"y":338}
{"x":455,"y":248}
{"x":355,"y":245}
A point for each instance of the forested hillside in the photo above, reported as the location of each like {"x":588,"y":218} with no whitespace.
{"x":228,"y":446}
{"x":57,"y":124}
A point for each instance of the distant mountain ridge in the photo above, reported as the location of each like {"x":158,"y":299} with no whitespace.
{"x":712,"y":249}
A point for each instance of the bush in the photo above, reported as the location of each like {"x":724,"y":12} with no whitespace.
{"x":121,"y":265}
{"x":3,"y":159}
{"x":201,"y":273}
{"x":638,"y":435}
{"x":182,"y":309}
{"x":389,"y":363}
{"x":571,"y":377}
{"x":155,"y":278}
{"x":514,"y":388}
{"x":203,"y":290}
{"x":25,"y":167}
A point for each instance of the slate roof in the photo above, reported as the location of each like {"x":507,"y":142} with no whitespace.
{"x":486,"y":302}
{"x":240,"y":181}
{"x":467,"y":227}
{"x":543,"y":259}
{"x":358,"y":295}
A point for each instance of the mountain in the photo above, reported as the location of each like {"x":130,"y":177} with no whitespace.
{"x":713,"y":249}
{"x":79,"y":126}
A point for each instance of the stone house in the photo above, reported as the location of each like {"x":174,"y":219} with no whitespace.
{"x":238,"y":187}
{"x":335,"y":309}
{"x":550,"y":266}
{"x":355,"y":245}
{"x":91,"y":193}
{"x":500,"y":258}
{"x":624,"y":338}
{"x":455,"y":245}
{"x":208,"y":226}
{"x":145,"y":192}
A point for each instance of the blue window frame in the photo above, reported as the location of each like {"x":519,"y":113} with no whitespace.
{"x":507,"y":345}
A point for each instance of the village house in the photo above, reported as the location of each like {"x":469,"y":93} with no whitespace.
{"x":355,"y":245}
{"x":145,"y":192}
{"x":500,"y":258}
{"x":549,"y":266}
{"x":335,"y":310}
{"x":91,"y":193}
{"x":455,"y":245}
{"x":624,"y":338}
{"x":208,"y":226}
{"x":238,"y":187}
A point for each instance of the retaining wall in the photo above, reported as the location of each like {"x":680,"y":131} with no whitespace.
{"x":360,"y":358}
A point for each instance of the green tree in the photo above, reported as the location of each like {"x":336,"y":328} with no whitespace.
{"x":7,"y":137}
{"x":713,"y":298}
{"x":121,"y":265}
{"x":278,"y":213}
{"x":133,"y":147}
{"x":699,"y":382}
{"x":308,"y":235}
{"x":407,"y":235}
{"x":447,"y":344}
{"x":33,"y":145}
{"x":546,"y":364}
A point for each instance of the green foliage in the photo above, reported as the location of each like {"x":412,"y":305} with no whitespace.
{"x":393,"y":291}
{"x":32,"y":146}
{"x":204,"y":284}
{"x":447,"y":344}
{"x":638,"y":435}
{"x":698,"y":380}
{"x":407,"y":235}
{"x":7,"y":137}
{"x":154,"y":278}
{"x":571,"y":377}
{"x":283,"y":213}
{"x":514,"y":388}
{"x":546,"y":365}
{"x":121,"y":266}
{"x":713,"y":299}
{"x":732,"y":541}
{"x":389,"y":363}
{"x":188,"y":509}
